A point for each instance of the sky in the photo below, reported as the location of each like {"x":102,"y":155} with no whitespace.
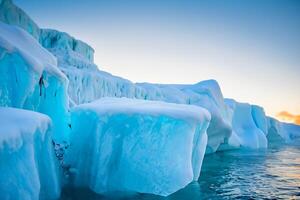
{"x":251,"y":47}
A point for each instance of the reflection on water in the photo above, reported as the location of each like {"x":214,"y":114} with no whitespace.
{"x":269,"y":174}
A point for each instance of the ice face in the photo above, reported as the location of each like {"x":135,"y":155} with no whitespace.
{"x":138,"y":146}
{"x":27,"y":164}
{"x":11,"y":14}
{"x":69,"y":50}
{"x":248,"y":124}
{"x":259,"y":118}
{"x":275,"y":132}
{"x":279,"y":132}
{"x":292,"y":130}
{"x":50,"y":39}
{"x":30,"y":79}
{"x":206,"y":94}
{"x":87,"y":85}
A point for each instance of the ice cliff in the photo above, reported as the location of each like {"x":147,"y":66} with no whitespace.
{"x":30,"y":78}
{"x":249,"y":125}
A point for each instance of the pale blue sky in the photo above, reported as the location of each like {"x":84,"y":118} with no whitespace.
{"x":252,"y":48}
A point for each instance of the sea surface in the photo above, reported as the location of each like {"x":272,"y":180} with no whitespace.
{"x":238,"y":174}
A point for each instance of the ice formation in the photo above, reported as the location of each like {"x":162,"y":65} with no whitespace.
{"x":30,"y":79}
{"x":138,"y":146}
{"x":248,"y":125}
{"x":11,"y":14}
{"x":27,"y":164}
{"x":150,"y":143}
{"x":87,"y":83}
{"x":279,"y":132}
{"x":206,"y":94}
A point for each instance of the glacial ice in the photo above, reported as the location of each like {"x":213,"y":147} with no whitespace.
{"x":27,"y":165}
{"x":206,"y":94}
{"x":68,"y":50}
{"x":87,"y":83}
{"x":11,"y":14}
{"x":138,"y":146}
{"x":292,"y":131}
{"x":279,"y":132}
{"x":116,"y":144}
{"x":248,"y":125}
{"x":260,"y":118}
{"x":30,"y":79}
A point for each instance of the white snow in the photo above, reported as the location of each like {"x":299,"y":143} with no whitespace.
{"x":138,"y":146}
{"x":27,"y":164}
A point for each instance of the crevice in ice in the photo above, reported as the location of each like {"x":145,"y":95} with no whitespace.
{"x":41,"y":84}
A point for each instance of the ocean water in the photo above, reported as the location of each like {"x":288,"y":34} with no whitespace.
{"x":238,"y":174}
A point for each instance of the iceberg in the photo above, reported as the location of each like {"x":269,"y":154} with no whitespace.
{"x":87,"y":83}
{"x":150,"y":139}
{"x":27,"y":163}
{"x":137,"y":146}
{"x":30,"y":79}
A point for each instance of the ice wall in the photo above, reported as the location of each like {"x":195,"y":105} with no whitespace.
{"x":128,"y":145}
{"x":27,"y":165}
{"x":206,"y":94}
{"x":260,"y":118}
{"x":88,"y":85}
{"x":30,"y":79}
{"x":248,"y":125}
{"x":76,"y":50}
{"x":292,"y":131}
{"x":276,"y":132}
{"x":11,"y":14}
{"x":70,"y":51}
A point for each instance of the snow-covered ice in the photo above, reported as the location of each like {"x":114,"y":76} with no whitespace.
{"x":138,"y":146}
{"x":27,"y":164}
{"x":30,"y":79}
